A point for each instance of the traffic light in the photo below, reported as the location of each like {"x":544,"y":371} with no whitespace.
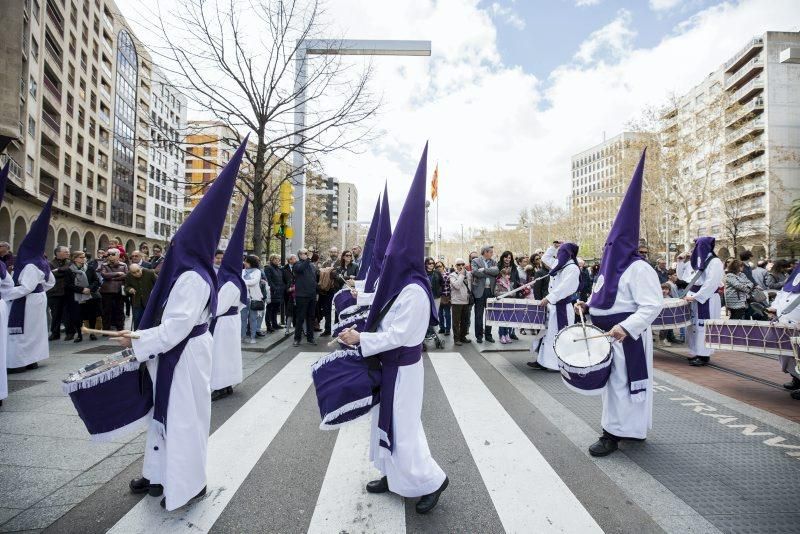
{"x":286,"y":198}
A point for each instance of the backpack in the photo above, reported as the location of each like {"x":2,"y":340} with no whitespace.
{"x":326,"y":281}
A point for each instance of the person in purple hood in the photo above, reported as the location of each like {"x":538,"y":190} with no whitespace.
{"x":704,"y":276}
{"x":626,"y":299}
{"x":786,"y":310}
{"x":394,"y":332}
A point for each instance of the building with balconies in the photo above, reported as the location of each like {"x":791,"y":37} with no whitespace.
{"x":759,"y":174}
{"x":74,"y":121}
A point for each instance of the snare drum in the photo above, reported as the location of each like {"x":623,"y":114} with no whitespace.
{"x":343,"y":299}
{"x":752,"y":336}
{"x":113,"y":396}
{"x":585,"y":364}
{"x":353,"y":317}
{"x":347,"y":385}
{"x":515,"y":313}
{"x":676,"y":313}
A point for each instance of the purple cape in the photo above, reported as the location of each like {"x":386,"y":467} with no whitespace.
{"x":703,"y":252}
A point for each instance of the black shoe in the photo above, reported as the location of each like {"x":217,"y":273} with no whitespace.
{"x":428,"y":502}
{"x":514,"y":337}
{"x":441,"y":330}
{"x":466,"y":340}
{"x":478,"y":340}
{"x":54,"y":337}
{"x":296,"y":343}
{"x":378,"y":486}
{"x":489,"y":339}
{"x":201,"y":494}
{"x":142,"y":485}
{"x":32,"y":366}
{"x":93,"y":337}
{"x":78,"y":339}
{"x":218,"y":394}
{"x":603,"y":446}
{"x":793,"y":384}
{"x":536,"y":365}
{"x":697,"y":361}
{"x":795,"y":394}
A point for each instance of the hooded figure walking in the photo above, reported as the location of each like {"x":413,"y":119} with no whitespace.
{"x":394,"y":334}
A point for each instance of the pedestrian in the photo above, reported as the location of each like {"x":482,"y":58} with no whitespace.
{"x":139,"y":283}
{"x":507,"y":260}
{"x":78,"y":291}
{"x":305,"y":287}
{"x":787,"y":298}
{"x":288,"y":282}
{"x":113,"y":273}
{"x":255,"y":300}
{"x":737,"y":290}
{"x":777,"y":275}
{"x":6,"y":256}
{"x":91,"y":310}
{"x":445,"y":311}
{"x":661,"y":270}
{"x":356,"y":250}
{"x":218,"y":254}
{"x":585,"y":284}
{"x":759,"y":272}
{"x":56,"y":301}
{"x":459,"y":297}
{"x":704,"y":277}
{"x":484,"y":274}
{"x":137,"y":258}
{"x":541,"y":275}
{"x":277,"y":291}
{"x":156,"y":259}
{"x":27,"y":317}
{"x":745,"y":256}
{"x":503,"y":284}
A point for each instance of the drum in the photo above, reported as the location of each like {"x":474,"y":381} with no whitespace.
{"x":112,"y":396}
{"x":515,"y":313}
{"x":676,"y":313}
{"x":343,"y":299}
{"x":352,"y":317}
{"x":585,"y":364}
{"x":347,"y":385}
{"x":763,"y":337}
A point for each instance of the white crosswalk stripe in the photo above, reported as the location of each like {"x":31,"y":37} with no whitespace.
{"x":233,"y":450}
{"x":344,"y":505}
{"x":527,"y":493}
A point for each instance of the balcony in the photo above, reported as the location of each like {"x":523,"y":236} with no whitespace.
{"x":754,"y":106}
{"x":669,"y":124}
{"x":49,"y":160}
{"x":142,"y":168}
{"x":748,"y":191}
{"x":750,"y":148}
{"x":747,"y":71}
{"x":106,"y":70}
{"x":107,"y":20}
{"x":752,"y":167}
{"x":752,"y":212}
{"x":54,"y":54}
{"x":105,"y":94}
{"x":14,"y":170}
{"x":55,"y":17}
{"x":742,"y":133}
{"x":104,"y":117}
{"x":753,"y":47}
{"x":51,"y":126}
{"x":52,"y":88}
{"x":107,"y":46}
{"x":749,"y":89}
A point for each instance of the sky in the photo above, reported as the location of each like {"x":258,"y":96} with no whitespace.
{"x":513,"y":88}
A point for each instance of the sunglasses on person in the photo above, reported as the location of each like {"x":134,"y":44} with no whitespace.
{"x":428,"y":263}
{"x":348,"y":255}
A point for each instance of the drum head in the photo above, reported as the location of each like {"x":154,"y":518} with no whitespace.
{"x":570,"y":347}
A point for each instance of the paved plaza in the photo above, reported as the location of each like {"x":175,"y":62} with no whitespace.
{"x":513,"y":442}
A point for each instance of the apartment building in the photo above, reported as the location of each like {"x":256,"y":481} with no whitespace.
{"x":322,"y":197}
{"x":755,"y":147}
{"x":348,"y":212}
{"x":76,"y":115}
{"x":598,"y":182}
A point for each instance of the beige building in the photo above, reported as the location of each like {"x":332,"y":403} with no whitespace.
{"x":752,"y":153}
{"x":76,"y":98}
{"x":348,"y":212}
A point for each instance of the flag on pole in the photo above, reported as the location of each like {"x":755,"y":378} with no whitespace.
{"x":435,"y":183}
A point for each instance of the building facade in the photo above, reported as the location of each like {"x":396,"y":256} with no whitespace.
{"x":79,"y":124}
{"x":348,"y":213}
{"x":755,"y":168}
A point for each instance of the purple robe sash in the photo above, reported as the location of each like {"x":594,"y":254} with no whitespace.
{"x":16,"y":316}
{"x":635,"y":358}
{"x":233,"y":310}
{"x":391,"y":361}
{"x":703,"y":310}
{"x":167,"y":362}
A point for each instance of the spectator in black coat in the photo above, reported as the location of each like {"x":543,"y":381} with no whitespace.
{"x":305,"y":297}
{"x":747,"y":269}
{"x":585,"y":281}
{"x":277,"y":291}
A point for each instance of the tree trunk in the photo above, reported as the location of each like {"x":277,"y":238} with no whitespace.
{"x":258,"y":196}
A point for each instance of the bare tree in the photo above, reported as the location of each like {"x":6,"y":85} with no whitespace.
{"x":236,"y":60}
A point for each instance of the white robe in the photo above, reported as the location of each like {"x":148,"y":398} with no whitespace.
{"x":638,"y":292}
{"x":709,"y":282}
{"x":178,"y":461}
{"x":562,"y":285}
{"x":781,"y":302}
{"x":226,"y":367}
{"x":409,"y":469}
{"x":6,"y":284}
{"x":30,"y":346}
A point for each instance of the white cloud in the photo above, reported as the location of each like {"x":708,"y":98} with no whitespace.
{"x":585,"y":3}
{"x":612,"y":40}
{"x":507,"y":15}
{"x":664,"y":5}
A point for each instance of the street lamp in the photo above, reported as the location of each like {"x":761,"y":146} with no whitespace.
{"x":530,"y":234}
{"x":347,"y":47}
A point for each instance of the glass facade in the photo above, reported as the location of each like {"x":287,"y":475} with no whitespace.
{"x":122,"y":173}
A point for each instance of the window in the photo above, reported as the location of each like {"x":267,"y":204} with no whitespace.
{"x":32,"y":86}
{"x":68,"y":133}
{"x":34,"y":48}
{"x":31,"y":126}
{"x":29,"y":165}
{"x":206,"y":151}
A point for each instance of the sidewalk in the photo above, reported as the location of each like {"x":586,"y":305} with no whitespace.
{"x":47,"y":462}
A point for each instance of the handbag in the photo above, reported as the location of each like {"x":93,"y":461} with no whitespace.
{"x":758,"y":295}
{"x":257,"y":305}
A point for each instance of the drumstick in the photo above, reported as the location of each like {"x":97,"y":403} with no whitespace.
{"x":590,"y":337}
{"x":336,"y":339}
{"x":110,"y":333}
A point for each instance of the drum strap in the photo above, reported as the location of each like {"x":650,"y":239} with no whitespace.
{"x":694,"y":279}
{"x":391,"y":361}
{"x":703,"y":309}
{"x":635,"y":357}
{"x":16,"y":316}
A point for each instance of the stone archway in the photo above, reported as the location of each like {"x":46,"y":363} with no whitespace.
{"x":759,"y":252}
{"x":20,"y":229}
{"x":89,"y":243}
{"x":50,"y":244}
{"x":5,"y":225}
{"x":723,"y":254}
{"x":130,"y":246}
{"x":61,"y":238}
{"x":75,"y":241}
{"x":102,"y":242}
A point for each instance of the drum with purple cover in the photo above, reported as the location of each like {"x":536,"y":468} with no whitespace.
{"x":515,"y":313}
{"x":343,"y":299}
{"x":113,"y":396}
{"x":347,"y":386}
{"x":676,"y":313}
{"x":762,"y":337}
{"x":584,"y":358}
{"x":352,"y":317}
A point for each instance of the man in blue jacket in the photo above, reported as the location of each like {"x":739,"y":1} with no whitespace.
{"x":305,"y":285}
